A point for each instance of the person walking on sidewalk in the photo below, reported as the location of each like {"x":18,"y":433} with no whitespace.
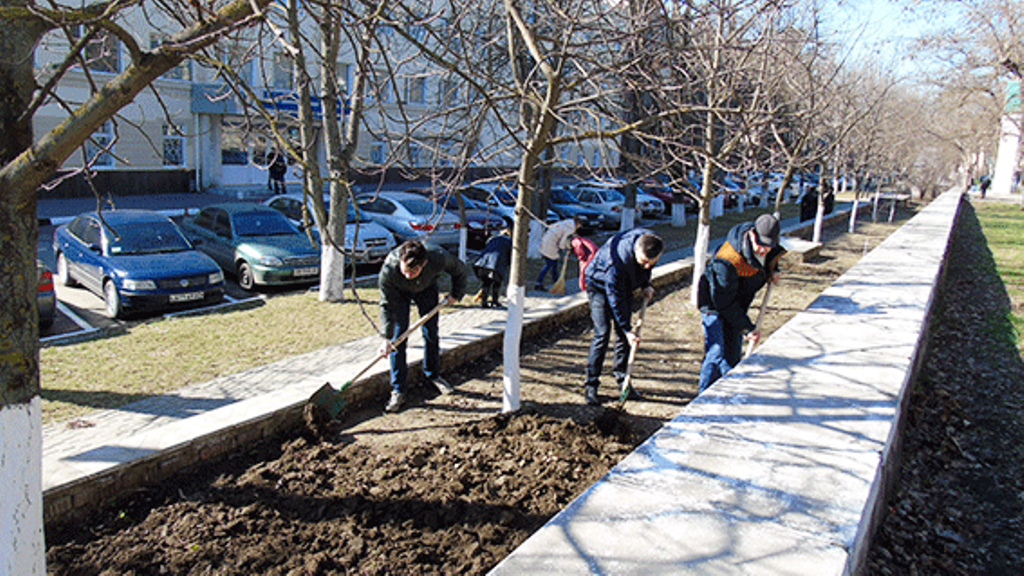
{"x":492,"y":266}
{"x":746,"y":261}
{"x":276,"y":172}
{"x":555,"y":239}
{"x":621,"y":266}
{"x":409,"y":275}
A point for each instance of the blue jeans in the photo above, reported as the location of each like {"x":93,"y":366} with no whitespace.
{"x":601,"y":314}
{"x":549,"y":265}
{"x":723,"y":349}
{"x":425,"y":301}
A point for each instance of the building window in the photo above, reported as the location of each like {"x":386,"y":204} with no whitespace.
{"x":99,"y":149}
{"x":448,"y":96}
{"x":418,"y":32}
{"x":415,"y":155}
{"x":238,"y":58}
{"x":234,"y":149}
{"x":378,"y":152}
{"x":416,"y":90}
{"x":174,"y":145}
{"x":344,"y":76}
{"x":181,"y":71}
{"x":102,"y":53}
{"x":283,"y":72}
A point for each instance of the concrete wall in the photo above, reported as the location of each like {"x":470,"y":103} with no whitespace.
{"x":781,"y":467}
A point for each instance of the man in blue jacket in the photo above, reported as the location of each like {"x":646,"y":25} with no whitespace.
{"x":746,"y":261}
{"x":622,"y":265}
{"x":409,"y":275}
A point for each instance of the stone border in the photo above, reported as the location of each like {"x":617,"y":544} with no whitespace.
{"x":783,"y":466}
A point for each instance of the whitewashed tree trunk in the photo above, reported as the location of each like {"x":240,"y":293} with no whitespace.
{"x":22,"y":549}
{"x":628,"y":219}
{"x":678,"y":215}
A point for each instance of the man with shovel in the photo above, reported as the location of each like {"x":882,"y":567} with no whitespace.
{"x":747,"y":260}
{"x":621,"y":266}
{"x":409,"y":275}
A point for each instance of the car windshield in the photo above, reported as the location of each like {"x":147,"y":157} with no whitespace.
{"x":419,"y":207}
{"x":147,"y":238}
{"x":261,"y":224}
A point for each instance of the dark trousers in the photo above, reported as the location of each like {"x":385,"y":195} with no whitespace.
{"x":549,"y":265}
{"x":425,"y":301}
{"x":490,"y":284}
{"x":723,"y":348}
{"x":601,"y":314}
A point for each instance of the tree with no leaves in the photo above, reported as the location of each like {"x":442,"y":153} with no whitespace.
{"x":24,"y":167}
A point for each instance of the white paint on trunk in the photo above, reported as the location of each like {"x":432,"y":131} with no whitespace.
{"x":22,"y":551}
{"x":463,"y":243}
{"x":628,"y":219}
{"x":678,"y":215}
{"x":510,"y":395}
{"x":332,"y":274}
{"x":700,"y":257}
{"x":853,"y":216}
{"x":536,"y":231}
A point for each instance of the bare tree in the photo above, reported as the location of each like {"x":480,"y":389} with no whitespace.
{"x":24,"y":167}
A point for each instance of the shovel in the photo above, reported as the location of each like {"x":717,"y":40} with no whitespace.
{"x":760,"y":317}
{"x":559,"y":286}
{"x":627,"y":384}
{"x":331,"y":400}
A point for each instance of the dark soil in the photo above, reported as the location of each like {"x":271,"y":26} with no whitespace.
{"x":449,"y":487}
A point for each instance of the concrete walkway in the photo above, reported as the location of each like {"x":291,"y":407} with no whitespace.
{"x":93,"y":457}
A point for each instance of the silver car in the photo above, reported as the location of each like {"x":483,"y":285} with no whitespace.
{"x":366,"y":242}
{"x":410,"y":217}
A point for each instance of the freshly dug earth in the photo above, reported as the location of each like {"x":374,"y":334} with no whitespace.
{"x":446,"y":486}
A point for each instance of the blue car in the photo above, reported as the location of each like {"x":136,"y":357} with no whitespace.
{"x":136,"y":260}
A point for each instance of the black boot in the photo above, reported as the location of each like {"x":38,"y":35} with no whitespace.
{"x":590,"y":395}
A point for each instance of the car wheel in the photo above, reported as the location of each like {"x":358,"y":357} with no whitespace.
{"x":246,"y":279}
{"x":63,"y":275}
{"x":112,"y":299}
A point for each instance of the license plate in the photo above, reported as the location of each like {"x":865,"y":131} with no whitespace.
{"x":186,"y":297}
{"x":311,"y":271}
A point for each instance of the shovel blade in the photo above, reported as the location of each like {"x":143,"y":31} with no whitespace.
{"x":329,"y":399}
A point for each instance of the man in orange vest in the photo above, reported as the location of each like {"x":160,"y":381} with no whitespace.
{"x":746,"y":262}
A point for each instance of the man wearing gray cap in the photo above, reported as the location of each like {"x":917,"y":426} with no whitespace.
{"x":747,"y":260}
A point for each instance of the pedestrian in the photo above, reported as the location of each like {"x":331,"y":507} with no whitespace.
{"x":986,"y":182}
{"x":492,"y":266}
{"x":409,"y":275}
{"x":276,"y":171}
{"x":621,"y":266}
{"x":746,"y":261}
{"x":555,"y":239}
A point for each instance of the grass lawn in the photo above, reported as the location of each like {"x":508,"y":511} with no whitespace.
{"x":1003,"y":226}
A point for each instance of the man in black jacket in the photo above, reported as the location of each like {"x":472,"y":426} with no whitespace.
{"x":623,"y":264}
{"x":746,"y":261}
{"x":409,"y":275}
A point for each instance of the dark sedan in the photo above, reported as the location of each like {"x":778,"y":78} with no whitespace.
{"x":135,"y":260}
{"x":255,"y":242}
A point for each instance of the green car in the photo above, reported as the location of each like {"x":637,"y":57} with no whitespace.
{"x":258,"y":244}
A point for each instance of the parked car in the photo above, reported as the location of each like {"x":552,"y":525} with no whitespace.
{"x":667,"y":196}
{"x":256,"y":243}
{"x":410,"y":216}
{"x":501,"y":199}
{"x":481,"y":222}
{"x":46,"y":297}
{"x":647,"y":206}
{"x":366,"y":242}
{"x":135,"y":260}
{"x":607,"y":201}
{"x":567,"y":206}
